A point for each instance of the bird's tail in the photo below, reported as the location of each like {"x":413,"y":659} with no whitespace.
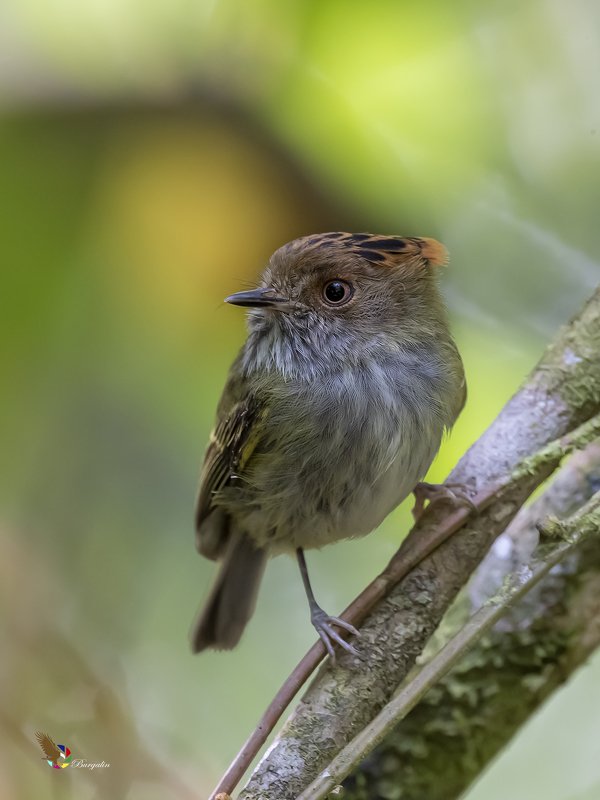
{"x":232,"y":599}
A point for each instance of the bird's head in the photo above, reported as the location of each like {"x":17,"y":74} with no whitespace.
{"x":333,"y":294}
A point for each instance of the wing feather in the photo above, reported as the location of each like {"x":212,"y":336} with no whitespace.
{"x":50,"y":750}
{"x":230,"y":446}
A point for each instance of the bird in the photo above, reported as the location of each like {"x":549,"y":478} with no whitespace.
{"x":331,"y":415}
{"x":49,"y":748}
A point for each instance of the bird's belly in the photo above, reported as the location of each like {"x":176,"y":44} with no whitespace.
{"x":313,"y":520}
{"x":371,"y":504}
{"x":342,"y":466}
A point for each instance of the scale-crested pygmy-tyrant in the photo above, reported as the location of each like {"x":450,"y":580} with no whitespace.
{"x":332,"y":413}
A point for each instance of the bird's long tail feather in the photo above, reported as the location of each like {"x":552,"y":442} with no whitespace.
{"x":233,"y":597}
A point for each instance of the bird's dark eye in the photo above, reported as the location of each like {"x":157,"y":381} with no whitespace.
{"x":337,"y":292}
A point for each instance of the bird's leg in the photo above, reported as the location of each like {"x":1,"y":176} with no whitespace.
{"x":454,"y":493}
{"x":320,"y":619}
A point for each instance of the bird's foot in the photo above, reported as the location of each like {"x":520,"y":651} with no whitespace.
{"x":455,"y":493}
{"x":323,"y":624}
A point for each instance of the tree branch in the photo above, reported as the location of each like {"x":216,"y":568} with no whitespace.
{"x":585,"y":523}
{"x":511,"y":672}
{"x":562,"y":392}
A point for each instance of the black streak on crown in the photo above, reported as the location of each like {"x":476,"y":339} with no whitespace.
{"x":391,"y":245}
{"x":370,"y":255}
{"x":360,"y":237}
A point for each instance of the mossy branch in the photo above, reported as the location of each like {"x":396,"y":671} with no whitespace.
{"x":572,"y":532}
{"x":464,"y":721}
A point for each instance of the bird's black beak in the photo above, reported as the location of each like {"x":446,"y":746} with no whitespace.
{"x":258,"y":298}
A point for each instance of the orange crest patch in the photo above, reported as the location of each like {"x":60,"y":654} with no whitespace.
{"x":434,"y":252}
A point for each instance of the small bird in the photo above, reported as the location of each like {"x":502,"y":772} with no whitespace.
{"x":49,"y":748}
{"x":331,"y":415}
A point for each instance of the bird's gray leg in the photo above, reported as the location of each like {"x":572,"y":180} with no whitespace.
{"x":320,"y":619}
{"x":454,"y":493}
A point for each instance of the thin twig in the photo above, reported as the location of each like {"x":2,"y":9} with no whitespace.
{"x":399,"y":566}
{"x":417,"y":546}
{"x":572,"y":532}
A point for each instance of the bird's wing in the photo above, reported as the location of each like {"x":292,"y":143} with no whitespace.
{"x":50,"y":750}
{"x":230,"y":446}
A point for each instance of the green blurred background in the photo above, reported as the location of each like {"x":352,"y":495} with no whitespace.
{"x":153,"y":154}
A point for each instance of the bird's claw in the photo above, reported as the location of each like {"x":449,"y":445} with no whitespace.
{"x":455,"y":493}
{"x":323,"y":625}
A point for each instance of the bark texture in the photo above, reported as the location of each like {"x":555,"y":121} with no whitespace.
{"x":562,"y":392}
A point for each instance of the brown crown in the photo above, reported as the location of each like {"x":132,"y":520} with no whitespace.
{"x":378,"y":249}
